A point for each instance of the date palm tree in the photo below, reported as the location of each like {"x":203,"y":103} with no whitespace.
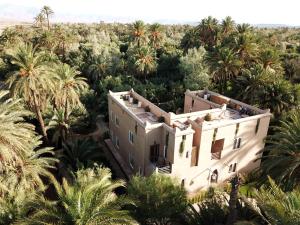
{"x":224,"y":65}
{"x":228,"y":25}
{"x":89,"y":200}
{"x":31,"y":80}
{"x":139,"y":33}
{"x":208,"y":30}
{"x":145,"y":61}
{"x":39,"y":20}
{"x":279,"y":208}
{"x":282,"y":162}
{"x":69,"y":86}
{"x":15,"y":135}
{"x":155,"y":35}
{"x":47,"y":11}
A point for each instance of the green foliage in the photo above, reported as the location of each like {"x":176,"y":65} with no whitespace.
{"x":282,"y":161}
{"x":158,"y":199}
{"x":194,"y":69}
{"x":280,"y":208}
{"x":90,"y":199}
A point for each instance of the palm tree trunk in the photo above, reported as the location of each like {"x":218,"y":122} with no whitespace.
{"x":39,"y":117}
{"x":48,"y":22}
{"x":66,"y":111}
{"x":231,"y":219}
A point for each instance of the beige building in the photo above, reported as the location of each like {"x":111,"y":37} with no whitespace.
{"x":214,"y":138}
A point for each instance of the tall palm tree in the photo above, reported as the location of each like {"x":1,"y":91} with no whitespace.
{"x":69,"y":86}
{"x":31,"y":80}
{"x":244,"y":28}
{"x":89,"y":200}
{"x":224,"y":65}
{"x":145,"y":61}
{"x":155,"y":35}
{"x":47,"y":11}
{"x":208,"y":30}
{"x":282,"y":162}
{"x":15,"y":135}
{"x":228,"y":25}
{"x":139,"y":33}
{"x":39,"y":20}
{"x":246,"y":48}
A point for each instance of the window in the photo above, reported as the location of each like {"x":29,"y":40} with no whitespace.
{"x":154,"y":153}
{"x":193,"y":101}
{"x":165,"y":151}
{"x":232,"y":168}
{"x":136,"y":128}
{"x":216,"y":148}
{"x":117,"y":120}
{"x":237,"y":143}
{"x":112,"y":136}
{"x":183,"y":137}
{"x":214,"y":176}
{"x":130,"y":137}
{"x":117,"y":142}
{"x":257,"y":126}
{"x":187,"y":154}
{"x":131,"y":160}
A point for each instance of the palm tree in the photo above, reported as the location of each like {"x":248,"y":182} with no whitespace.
{"x":89,"y":200}
{"x":244,"y":28}
{"x":280,"y":208}
{"x":228,"y":25}
{"x":282,"y":161}
{"x":47,"y":11}
{"x":99,"y":68}
{"x":39,"y":20}
{"x":155,"y":35}
{"x":246,"y":48}
{"x":15,"y":135}
{"x":271,"y":60}
{"x":77,"y":153}
{"x":139,"y":32}
{"x":69,"y":86}
{"x":60,"y":127}
{"x":208,"y":30}
{"x":145,"y":61}
{"x":31,"y":80}
{"x":224,"y":65}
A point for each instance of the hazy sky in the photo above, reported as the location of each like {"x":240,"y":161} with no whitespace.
{"x":249,"y":11}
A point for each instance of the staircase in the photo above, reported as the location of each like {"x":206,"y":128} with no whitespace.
{"x":164,"y":169}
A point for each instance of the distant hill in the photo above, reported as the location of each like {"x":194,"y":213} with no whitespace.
{"x":9,"y":23}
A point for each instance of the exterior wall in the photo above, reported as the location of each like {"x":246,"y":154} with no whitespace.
{"x":197,"y":106}
{"x":126,"y":123}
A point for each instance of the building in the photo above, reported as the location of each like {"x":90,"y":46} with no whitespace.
{"x":214,"y":138}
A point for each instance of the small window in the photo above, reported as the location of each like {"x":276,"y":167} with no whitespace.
{"x":214,"y":177}
{"x":193,"y":102}
{"x":165,"y":151}
{"x":187,"y":154}
{"x":232,"y":168}
{"x":117,"y":142}
{"x":117,"y":120}
{"x":183,"y":137}
{"x":136,"y":128}
{"x":131,"y":160}
{"x":130,"y":137}
{"x":237,"y":143}
{"x":257,"y":126}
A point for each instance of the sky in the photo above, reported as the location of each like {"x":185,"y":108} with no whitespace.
{"x":165,"y":11}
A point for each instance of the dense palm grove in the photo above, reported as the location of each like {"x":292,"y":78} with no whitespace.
{"x":54,"y":82}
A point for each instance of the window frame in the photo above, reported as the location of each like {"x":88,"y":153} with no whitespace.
{"x":130,"y":137}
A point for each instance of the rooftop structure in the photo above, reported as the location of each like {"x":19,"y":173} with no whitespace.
{"x":215,"y":137}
